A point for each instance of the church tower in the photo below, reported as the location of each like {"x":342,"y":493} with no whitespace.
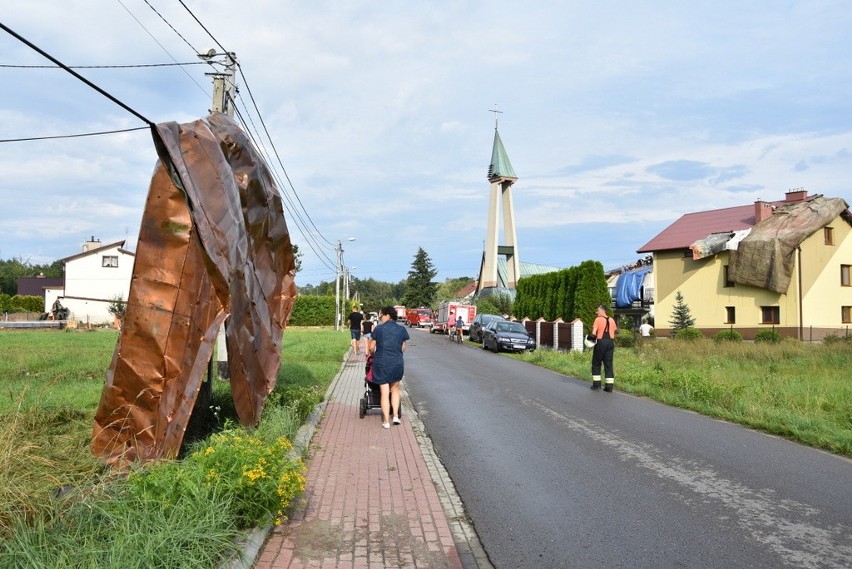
{"x":502,"y":177}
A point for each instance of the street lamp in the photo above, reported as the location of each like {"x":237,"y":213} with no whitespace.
{"x":339,"y":273}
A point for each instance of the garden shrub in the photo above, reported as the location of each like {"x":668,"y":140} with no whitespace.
{"x":835,"y":338}
{"x":767,"y":336}
{"x":625,"y":338}
{"x":312,"y":311}
{"x":260,"y":478}
{"x":688,"y":334}
{"x":728,"y":336}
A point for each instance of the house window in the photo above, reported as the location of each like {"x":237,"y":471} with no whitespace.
{"x":770,"y":314}
{"x":728,"y":282}
{"x":109,"y":261}
{"x":828,"y":233}
{"x":846,"y":314}
{"x":730,"y":315}
{"x":845,"y":279}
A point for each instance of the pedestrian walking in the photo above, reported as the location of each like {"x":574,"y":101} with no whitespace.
{"x":645,"y":329}
{"x":603,"y":329}
{"x":355,"y":318}
{"x":367,"y":331}
{"x":389,"y":341}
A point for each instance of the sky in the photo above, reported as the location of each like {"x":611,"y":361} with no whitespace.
{"x":618,"y":117}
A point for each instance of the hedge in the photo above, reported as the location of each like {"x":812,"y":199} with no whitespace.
{"x":312,"y":311}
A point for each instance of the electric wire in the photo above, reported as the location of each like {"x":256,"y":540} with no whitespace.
{"x":130,"y":66}
{"x":254,"y":103}
{"x":59,"y":136}
{"x":132,"y":15}
{"x":75,"y":74}
{"x":298,"y":221}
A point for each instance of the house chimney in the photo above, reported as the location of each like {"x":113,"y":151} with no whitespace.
{"x":92,"y":243}
{"x":762,"y":210}
{"x":796,"y":195}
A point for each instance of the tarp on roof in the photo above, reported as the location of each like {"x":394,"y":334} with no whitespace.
{"x":628,"y":287}
{"x":213,"y":244}
{"x":710,"y":245}
{"x":716,"y":243}
{"x":765,"y":257}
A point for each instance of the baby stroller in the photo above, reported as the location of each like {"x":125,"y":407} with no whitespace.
{"x":372,"y":398}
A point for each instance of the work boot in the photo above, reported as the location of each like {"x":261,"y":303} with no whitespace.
{"x":608,"y":388}
{"x":596,"y":384}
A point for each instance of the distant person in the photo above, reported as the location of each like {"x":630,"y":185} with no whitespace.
{"x":459,"y":325}
{"x":645,"y":329}
{"x":367,"y":330}
{"x":387,"y":345}
{"x":355,"y":318}
{"x":603,"y":329}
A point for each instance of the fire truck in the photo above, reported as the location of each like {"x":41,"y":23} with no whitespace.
{"x":419,"y":317}
{"x":447,"y":314}
{"x":400,"y":313}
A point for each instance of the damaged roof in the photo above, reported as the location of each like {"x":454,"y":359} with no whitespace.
{"x":693,"y":227}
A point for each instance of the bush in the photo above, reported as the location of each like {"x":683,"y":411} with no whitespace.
{"x":261,"y":479}
{"x":625,"y":338}
{"x":688,"y":334}
{"x":835,"y":338}
{"x":312,"y":311}
{"x":728,"y":336}
{"x":767,"y":336}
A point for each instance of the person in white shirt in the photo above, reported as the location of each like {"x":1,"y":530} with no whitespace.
{"x":645,"y":329}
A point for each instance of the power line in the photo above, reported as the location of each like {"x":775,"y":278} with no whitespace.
{"x":191,"y":78}
{"x":73,"y":135}
{"x":176,"y":64}
{"x":75,"y":74}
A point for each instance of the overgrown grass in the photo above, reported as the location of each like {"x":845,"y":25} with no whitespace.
{"x":799,"y":391}
{"x":60,"y":508}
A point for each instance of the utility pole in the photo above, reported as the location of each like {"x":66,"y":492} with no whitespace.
{"x":338,"y":270}
{"x":224,"y":85}
{"x":340,"y":273}
{"x":224,"y":95}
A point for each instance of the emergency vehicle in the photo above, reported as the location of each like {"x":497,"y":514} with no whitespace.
{"x":419,"y":317}
{"x":447,"y":314}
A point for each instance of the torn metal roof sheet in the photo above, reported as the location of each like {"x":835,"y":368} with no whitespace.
{"x":213,"y":245}
{"x":765,"y":257}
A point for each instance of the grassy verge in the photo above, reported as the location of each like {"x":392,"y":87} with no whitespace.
{"x":799,"y":391}
{"x":60,"y":508}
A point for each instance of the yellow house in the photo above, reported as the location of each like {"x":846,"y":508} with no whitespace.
{"x":781,"y":265}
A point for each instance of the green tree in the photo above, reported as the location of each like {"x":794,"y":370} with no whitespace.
{"x":448,"y":290}
{"x":681,"y":316}
{"x":297,"y":258}
{"x":420,"y":289}
{"x":591,"y":292}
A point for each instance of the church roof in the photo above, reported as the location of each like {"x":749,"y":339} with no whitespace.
{"x":500,"y":166}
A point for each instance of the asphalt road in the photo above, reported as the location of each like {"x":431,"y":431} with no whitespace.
{"x":553,"y":474}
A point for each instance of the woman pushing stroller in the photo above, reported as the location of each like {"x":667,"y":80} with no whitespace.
{"x":389,"y":340}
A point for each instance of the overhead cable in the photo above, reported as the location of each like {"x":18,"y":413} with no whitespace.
{"x":75,"y":74}
{"x":73,"y":135}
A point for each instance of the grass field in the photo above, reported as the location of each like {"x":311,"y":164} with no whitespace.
{"x":50,"y":385}
{"x":799,"y":391}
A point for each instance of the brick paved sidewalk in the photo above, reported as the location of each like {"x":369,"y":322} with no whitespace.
{"x":370,"y":499}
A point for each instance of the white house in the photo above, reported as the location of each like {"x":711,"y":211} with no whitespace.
{"x":93,"y":279}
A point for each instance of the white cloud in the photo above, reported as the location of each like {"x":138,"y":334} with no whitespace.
{"x":618,"y":118}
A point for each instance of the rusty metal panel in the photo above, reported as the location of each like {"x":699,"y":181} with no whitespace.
{"x":213,"y":245}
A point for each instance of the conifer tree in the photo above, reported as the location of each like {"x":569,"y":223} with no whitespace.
{"x":681,"y":316}
{"x":420,"y":289}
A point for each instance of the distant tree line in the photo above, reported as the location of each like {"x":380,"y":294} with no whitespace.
{"x":13,"y":269}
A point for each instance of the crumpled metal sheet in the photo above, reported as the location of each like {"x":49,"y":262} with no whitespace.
{"x":213,"y":245}
{"x":765,"y":257}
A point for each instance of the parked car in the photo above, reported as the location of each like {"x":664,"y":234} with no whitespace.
{"x":507,"y":336}
{"x":479,"y":323}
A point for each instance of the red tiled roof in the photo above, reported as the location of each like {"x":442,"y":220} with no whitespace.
{"x":694,"y":226}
